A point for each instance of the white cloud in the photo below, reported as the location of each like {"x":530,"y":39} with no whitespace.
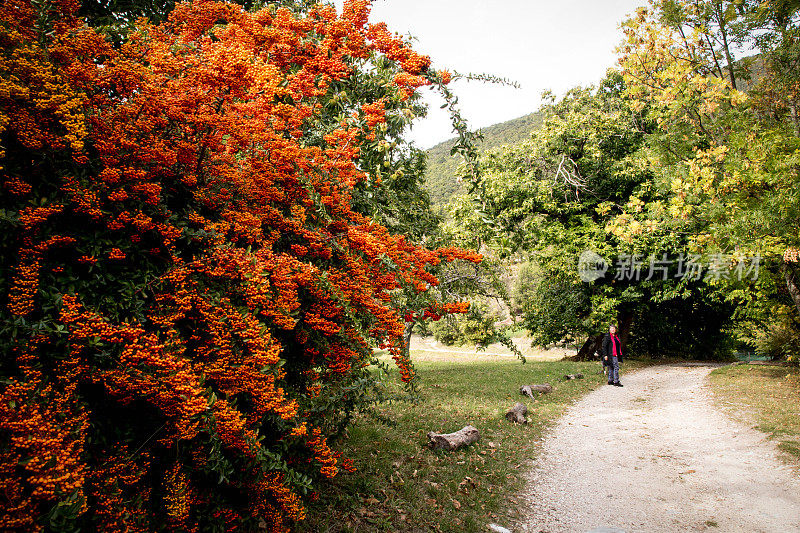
{"x":539,"y":44}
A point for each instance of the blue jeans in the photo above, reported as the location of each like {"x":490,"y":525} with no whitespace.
{"x":613,"y":369}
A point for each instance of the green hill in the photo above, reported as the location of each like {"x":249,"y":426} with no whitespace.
{"x":440,"y":178}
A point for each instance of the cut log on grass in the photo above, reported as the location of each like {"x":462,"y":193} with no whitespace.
{"x":450,"y":441}
{"x":528,"y":390}
{"x":568,"y":377}
{"x":517,"y":414}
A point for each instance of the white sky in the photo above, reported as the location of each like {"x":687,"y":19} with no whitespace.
{"x":541,"y":44}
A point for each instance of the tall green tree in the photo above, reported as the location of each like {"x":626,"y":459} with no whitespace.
{"x":726,"y":160}
{"x":580,"y":185}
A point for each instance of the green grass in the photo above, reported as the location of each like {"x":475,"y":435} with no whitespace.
{"x":401,"y":485}
{"x":767,"y":397}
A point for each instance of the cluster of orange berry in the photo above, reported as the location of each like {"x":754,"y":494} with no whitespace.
{"x":396,"y":49}
{"x":23,"y":291}
{"x":17,"y":186}
{"x":374,"y":113}
{"x":116,"y":254}
{"x":322,"y":453}
{"x":42,"y":457}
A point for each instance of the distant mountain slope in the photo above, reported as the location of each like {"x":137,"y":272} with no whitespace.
{"x":440,"y":178}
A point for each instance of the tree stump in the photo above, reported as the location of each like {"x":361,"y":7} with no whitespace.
{"x":528,"y":390}
{"x":517,"y":414}
{"x":450,"y":441}
{"x":568,"y":377}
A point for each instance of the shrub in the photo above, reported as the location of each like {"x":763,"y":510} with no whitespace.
{"x":190,"y":299}
{"x":779,"y":341}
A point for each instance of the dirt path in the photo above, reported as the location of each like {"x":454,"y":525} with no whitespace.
{"x":656,"y":456}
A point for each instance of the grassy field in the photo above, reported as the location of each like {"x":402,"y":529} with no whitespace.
{"x":767,"y":397}
{"x":401,"y":485}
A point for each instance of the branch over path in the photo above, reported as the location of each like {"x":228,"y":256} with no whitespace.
{"x":657,"y":456}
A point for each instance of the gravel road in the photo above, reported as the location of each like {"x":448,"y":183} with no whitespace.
{"x":656,"y":455}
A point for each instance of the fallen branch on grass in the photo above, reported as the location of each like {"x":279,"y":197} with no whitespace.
{"x":517,"y":414}
{"x":528,"y":390}
{"x":450,"y":441}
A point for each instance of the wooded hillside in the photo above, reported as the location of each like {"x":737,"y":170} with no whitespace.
{"x":442,"y":168}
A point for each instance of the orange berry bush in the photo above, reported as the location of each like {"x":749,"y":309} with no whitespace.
{"x":192,"y":279}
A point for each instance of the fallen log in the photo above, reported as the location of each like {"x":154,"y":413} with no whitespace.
{"x":528,"y":390}
{"x":450,"y":441}
{"x":568,"y":377}
{"x":517,"y":414}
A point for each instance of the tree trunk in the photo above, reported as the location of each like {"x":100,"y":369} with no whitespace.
{"x":792,"y":285}
{"x":624,"y":329}
{"x":450,"y":441}
{"x":517,"y":414}
{"x":589,"y":348}
{"x":720,"y":72}
{"x":725,"y":46}
{"x":407,"y":329}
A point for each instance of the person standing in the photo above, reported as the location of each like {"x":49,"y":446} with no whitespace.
{"x":612,"y":355}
